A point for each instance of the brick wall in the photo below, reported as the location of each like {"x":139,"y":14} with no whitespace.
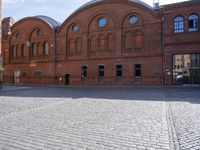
{"x":150,"y":42}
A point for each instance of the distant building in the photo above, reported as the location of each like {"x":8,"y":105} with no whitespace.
{"x":107,"y":42}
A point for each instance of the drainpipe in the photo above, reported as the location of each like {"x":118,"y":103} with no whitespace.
{"x":55,"y":53}
{"x":162,"y":47}
{"x":164,"y":70}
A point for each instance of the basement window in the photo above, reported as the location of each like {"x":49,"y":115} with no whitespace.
{"x":38,"y":73}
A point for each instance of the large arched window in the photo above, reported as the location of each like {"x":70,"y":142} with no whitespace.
{"x":193,"y":23}
{"x":46,"y":48}
{"x":178,"y":24}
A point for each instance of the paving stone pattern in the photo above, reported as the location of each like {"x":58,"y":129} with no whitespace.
{"x":96,"y":118}
{"x":185,"y":108}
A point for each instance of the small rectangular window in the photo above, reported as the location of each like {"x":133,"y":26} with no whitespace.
{"x":38,"y":73}
{"x":118,"y":73}
{"x":101,"y":72}
{"x":84,"y":73}
{"x":137,"y":70}
{"x":119,"y":70}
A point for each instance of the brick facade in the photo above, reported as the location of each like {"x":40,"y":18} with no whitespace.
{"x":149,"y":43}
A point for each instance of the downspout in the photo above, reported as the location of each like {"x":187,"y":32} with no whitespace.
{"x":162,"y":48}
{"x":55,"y":57}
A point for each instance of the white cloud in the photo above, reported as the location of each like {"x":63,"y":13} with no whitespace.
{"x":12,"y":1}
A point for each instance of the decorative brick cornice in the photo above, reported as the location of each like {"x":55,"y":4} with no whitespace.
{"x":164,"y":8}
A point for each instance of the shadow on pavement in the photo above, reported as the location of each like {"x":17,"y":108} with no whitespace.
{"x":188,"y":94}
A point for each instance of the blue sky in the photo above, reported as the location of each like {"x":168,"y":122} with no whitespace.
{"x":57,"y":9}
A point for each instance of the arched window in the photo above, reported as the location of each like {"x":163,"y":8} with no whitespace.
{"x":178,"y":24}
{"x":46,"y":48}
{"x":23,"y":50}
{"x":13,"y":51}
{"x":193,"y":23}
{"x":102,"y":42}
{"x":138,"y":39}
{"x":128,"y":40}
{"x":34,"y":49}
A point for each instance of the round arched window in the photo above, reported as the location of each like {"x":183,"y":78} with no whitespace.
{"x":133,"y":19}
{"x":75,"y":28}
{"x":102,"y":22}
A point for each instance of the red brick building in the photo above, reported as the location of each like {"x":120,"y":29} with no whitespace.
{"x":107,"y":42}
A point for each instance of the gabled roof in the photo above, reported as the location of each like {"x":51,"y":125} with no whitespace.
{"x":53,"y":23}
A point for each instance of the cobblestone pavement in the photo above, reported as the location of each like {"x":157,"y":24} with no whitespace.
{"x":185,"y":110}
{"x":142,"y":118}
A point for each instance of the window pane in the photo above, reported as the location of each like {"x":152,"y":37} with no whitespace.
{"x":133,"y":20}
{"x":102,"y":22}
{"x":193,"y":23}
{"x":119,"y":71}
{"x":178,"y":24}
{"x":84,"y":73}
{"x":46,"y":48}
{"x":137,"y":70}
{"x":101,"y":71}
{"x":75,"y":28}
{"x":34,"y":49}
{"x":38,"y":73}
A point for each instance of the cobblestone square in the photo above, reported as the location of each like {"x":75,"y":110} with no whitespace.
{"x":96,"y":118}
